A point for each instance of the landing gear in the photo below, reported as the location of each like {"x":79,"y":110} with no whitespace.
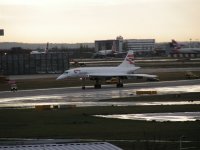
{"x":83,"y":83}
{"x":97,"y":84}
{"x":119,"y":84}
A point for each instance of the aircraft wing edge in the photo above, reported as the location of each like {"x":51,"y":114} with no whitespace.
{"x":122,"y":75}
{"x":144,"y":75}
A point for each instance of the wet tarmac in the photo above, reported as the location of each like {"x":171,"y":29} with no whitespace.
{"x":160,"y":117}
{"x":91,"y":97}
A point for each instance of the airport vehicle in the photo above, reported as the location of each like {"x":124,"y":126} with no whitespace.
{"x":180,"y":49}
{"x":75,"y":63}
{"x":112,"y":81}
{"x":13,"y":87}
{"x":124,"y":71}
{"x":190,"y":75}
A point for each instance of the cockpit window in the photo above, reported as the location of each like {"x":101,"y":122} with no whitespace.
{"x":66,"y":72}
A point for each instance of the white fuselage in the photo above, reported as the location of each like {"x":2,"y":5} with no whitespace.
{"x":105,"y":52}
{"x":85,"y":71}
{"x":189,"y":50}
{"x":124,"y":70}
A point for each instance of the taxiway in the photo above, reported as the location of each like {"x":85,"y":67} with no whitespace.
{"x":91,"y":96}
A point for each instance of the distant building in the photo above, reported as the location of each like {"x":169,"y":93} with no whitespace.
{"x":125,"y":44}
{"x":140,"y":44}
{"x":120,"y":41}
{"x":103,"y":45}
{"x":108,"y":44}
{"x":37,"y":46}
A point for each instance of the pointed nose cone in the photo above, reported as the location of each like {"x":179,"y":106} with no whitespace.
{"x":61,"y":77}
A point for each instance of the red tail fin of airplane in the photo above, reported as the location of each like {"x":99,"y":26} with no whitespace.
{"x":175,"y":45}
{"x":129,"y":60}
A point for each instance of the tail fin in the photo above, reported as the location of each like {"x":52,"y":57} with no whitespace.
{"x":174,"y":42}
{"x":175,"y":45}
{"x":129,"y":60}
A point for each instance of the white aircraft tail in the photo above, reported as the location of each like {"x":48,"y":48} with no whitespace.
{"x":129,"y":60}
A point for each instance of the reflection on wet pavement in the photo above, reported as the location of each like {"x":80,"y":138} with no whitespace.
{"x":90,"y":97}
{"x":160,"y":117}
{"x":176,"y":89}
{"x":89,"y":103}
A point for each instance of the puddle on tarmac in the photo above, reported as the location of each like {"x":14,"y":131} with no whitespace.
{"x":30,"y":104}
{"x":160,"y":117}
{"x":91,"y":97}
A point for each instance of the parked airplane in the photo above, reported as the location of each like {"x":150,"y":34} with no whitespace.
{"x":45,"y":50}
{"x":109,"y":53}
{"x":105,"y":53}
{"x":180,"y":49}
{"x":124,"y":71}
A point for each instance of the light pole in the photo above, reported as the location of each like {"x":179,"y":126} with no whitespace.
{"x":180,"y":142}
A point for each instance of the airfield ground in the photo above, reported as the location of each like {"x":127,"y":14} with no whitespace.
{"x":76,"y":123}
{"x":79,"y":123}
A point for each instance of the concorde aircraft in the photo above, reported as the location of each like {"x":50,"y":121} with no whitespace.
{"x":124,"y":71}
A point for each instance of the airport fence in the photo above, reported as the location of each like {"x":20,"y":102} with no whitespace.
{"x":19,"y":64}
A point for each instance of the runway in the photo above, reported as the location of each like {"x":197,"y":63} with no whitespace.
{"x":91,"y":96}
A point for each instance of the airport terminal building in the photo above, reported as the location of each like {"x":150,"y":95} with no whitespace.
{"x":123,"y":45}
{"x":140,"y":44}
{"x":117,"y":44}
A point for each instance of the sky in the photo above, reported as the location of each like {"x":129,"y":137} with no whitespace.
{"x":79,"y":21}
